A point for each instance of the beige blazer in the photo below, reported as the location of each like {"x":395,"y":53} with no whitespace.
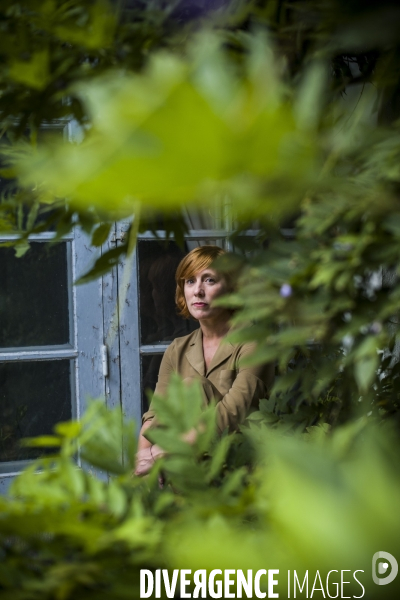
{"x":236,"y":388}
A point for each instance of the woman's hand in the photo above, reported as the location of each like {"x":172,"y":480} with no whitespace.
{"x":144,"y":461}
{"x":144,"y":455}
{"x":148,"y":453}
{"x":190,"y":436}
{"x":146,"y":458}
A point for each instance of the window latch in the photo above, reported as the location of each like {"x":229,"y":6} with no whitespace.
{"x":104,"y":359}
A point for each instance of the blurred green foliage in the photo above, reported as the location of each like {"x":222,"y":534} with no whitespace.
{"x":46,"y":47}
{"x":300,"y":138}
{"x":251,"y":500}
{"x":174,"y":135}
{"x":289,"y":110}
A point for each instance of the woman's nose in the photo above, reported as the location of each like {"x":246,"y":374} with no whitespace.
{"x":198,"y":290}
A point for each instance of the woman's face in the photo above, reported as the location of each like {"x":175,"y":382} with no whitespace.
{"x":201,"y":290}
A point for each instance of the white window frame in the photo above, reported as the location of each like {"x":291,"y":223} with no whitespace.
{"x":86,"y":334}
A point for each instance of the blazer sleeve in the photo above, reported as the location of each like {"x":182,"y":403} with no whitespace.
{"x":167,"y":367}
{"x":250,"y":385}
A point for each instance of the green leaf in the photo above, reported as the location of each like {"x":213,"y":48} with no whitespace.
{"x":103,"y":264}
{"x":219,"y":457}
{"x":116,"y":498}
{"x":33,"y":72}
{"x":42,"y":441}
{"x":137,"y":150}
{"x":21,"y":248}
{"x":69,"y":429}
{"x":100,"y":234}
{"x":365,"y":371}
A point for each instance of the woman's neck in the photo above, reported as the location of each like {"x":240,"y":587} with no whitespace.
{"x":213,"y":329}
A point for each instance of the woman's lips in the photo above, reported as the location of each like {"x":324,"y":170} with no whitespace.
{"x":199,"y":304}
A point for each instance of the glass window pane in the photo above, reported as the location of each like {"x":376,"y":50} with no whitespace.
{"x":34,"y":296}
{"x":34,"y":396}
{"x":159,"y":321}
{"x":149,"y":367}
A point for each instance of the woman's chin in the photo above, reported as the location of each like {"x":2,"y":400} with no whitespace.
{"x":200,"y":314}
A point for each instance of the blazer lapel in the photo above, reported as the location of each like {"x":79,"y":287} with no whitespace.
{"x":224,"y":351}
{"x":195,"y":354}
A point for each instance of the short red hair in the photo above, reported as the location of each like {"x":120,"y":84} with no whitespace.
{"x":197,"y":260}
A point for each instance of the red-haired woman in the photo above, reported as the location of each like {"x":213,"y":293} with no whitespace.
{"x":203,"y":356}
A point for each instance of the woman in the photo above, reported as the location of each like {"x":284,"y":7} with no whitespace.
{"x":203,"y":355}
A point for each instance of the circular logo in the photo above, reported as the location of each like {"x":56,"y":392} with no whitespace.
{"x":383,"y":567}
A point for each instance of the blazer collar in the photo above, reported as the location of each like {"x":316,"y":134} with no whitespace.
{"x":195,"y":354}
